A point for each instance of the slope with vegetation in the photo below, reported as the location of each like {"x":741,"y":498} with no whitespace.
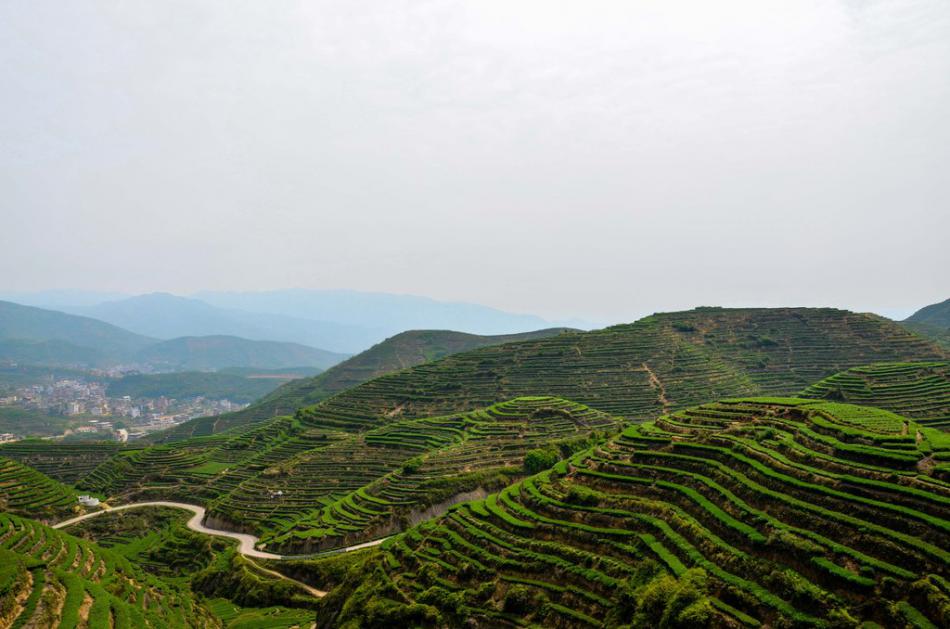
{"x":51,"y":579}
{"x":934,"y":314}
{"x":748,"y":512}
{"x":35,"y":333}
{"x":308,"y":489}
{"x":66,"y":462}
{"x":398,"y":352}
{"x":271,"y":476}
{"x":920,"y":391}
{"x":932,"y":322}
{"x":638,"y":370}
{"x":410,"y":468}
{"x":26,"y":491}
{"x":237,"y":591}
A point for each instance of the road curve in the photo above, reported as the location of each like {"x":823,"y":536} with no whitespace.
{"x":248,"y":543}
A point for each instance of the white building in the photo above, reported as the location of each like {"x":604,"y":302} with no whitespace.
{"x":88,"y":501}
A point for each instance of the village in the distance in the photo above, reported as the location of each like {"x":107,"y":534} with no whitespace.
{"x":83,"y":408}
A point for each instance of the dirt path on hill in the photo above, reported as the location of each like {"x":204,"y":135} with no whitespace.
{"x":247,"y":543}
{"x":311,"y":590}
{"x":661,"y":390}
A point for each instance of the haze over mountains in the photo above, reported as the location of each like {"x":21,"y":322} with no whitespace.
{"x":338,"y":321}
{"x":47,"y":337}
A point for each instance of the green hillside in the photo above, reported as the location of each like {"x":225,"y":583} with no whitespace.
{"x":31,"y":423}
{"x":51,"y":579}
{"x":214,"y":352}
{"x":66,"y":462}
{"x":35,"y":333}
{"x":920,"y":391}
{"x":304,"y":490}
{"x":748,"y":512}
{"x":26,"y":491}
{"x":638,"y":370}
{"x":934,"y":314}
{"x":238,"y":591}
{"x":398,"y":352}
{"x":409,"y":466}
{"x":936,"y":333}
{"x":325,"y":452}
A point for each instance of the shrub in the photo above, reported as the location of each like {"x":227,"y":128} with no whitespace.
{"x":539,"y":460}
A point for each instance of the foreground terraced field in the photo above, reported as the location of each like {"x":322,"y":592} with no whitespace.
{"x":640,"y":370}
{"x":920,"y":391}
{"x":768,"y":511}
{"x":52,"y":579}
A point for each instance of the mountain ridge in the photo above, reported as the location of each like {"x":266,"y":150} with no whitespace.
{"x":48,"y":337}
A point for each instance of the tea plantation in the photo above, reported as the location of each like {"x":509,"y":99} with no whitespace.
{"x":26,"y":491}
{"x":570,"y":480}
{"x":52,"y":579}
{"x":920,"y":391}
{"x":638,"y":370}
{"x":747,"y":512}
{"x":401,"y":351}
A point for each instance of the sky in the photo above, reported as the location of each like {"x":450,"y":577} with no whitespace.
{"x":595,"y":159}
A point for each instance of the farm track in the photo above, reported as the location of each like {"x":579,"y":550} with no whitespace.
{"x":247,"y":543}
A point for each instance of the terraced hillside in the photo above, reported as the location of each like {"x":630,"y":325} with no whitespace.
{"x":920,"y":391}
{"x":306,"y":489}
{"x":428,"y":463}
{"x":747,"y":512}
{"x":936,"y":333}
{"x":52,"y":579}
{"x":25,"y":491}
{"x":401,"y":351}
{"x":638,"y":370}
{"x":243,"y":594}
{"x":66,"y":462}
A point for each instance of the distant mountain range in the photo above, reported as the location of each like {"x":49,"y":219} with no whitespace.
{"x":47,"y":337}
{"x":339,"y":321}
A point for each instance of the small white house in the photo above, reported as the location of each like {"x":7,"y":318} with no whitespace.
{"x":88,"y":501}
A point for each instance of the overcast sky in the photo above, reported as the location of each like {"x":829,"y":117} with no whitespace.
{"x":592,"y":159}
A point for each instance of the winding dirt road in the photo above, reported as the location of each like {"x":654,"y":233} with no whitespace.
{"x":247,"y":543}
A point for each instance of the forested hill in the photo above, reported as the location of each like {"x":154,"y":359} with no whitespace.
{"x":639,"y":370}
{"x":934,"y":314}
{"x":36,"y":332}
{"x":932,"y":322}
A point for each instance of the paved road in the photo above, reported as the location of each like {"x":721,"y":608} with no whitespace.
{"x":248,"y":543}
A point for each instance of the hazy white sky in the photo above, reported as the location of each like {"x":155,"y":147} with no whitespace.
{"x":595,"y":159}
